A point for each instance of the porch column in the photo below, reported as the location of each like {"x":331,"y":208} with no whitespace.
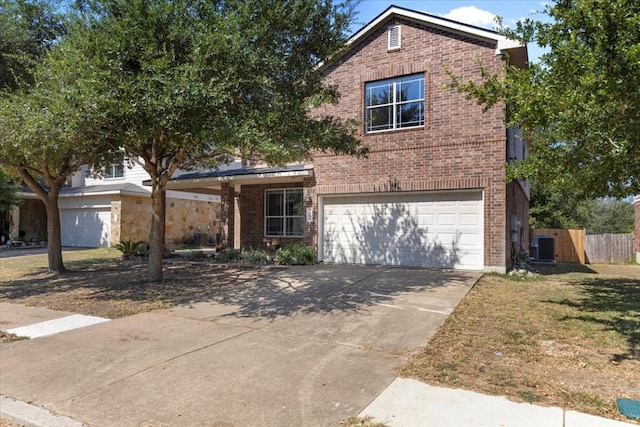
{"x":227,"y":215}
{"x":309,"y":216}
{"x":14,"y":223}
{"x":237,"y":232}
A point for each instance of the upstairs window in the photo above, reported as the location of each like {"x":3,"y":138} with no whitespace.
{"x":394,"y":103}
{"x":114,"y":171}
{"x":283,"y":212}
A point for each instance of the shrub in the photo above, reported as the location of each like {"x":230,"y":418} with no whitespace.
{"x":130,"y":249}
{"x":257,"y":256}
{"x":197,"y":255}
{"x":230,"y":255}
{"x":296,"y":254}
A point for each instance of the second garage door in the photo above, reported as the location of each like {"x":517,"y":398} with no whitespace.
{"x":85,"y":227}
{"x":440,"y":230}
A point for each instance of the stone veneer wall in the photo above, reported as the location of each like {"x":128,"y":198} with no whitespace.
{"x":32,"y":221}
{"x":131,"y":219}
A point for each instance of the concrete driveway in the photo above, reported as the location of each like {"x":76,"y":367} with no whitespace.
{"x":304,"y":346}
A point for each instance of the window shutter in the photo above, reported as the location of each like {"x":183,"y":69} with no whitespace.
{"x":394,"y":37}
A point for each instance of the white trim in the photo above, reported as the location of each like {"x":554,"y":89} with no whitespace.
{"x":502,"y":43}
{"x":193,"y":196}
{"x":320,"y":226}
{"x":247,"y":177}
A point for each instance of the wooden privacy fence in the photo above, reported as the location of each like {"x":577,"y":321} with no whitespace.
{"x":578,"y":247}
{"x":568,"y":244}
{"x":608,"y":248}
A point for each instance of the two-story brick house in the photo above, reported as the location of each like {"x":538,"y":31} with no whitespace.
{"x":431,"y":192}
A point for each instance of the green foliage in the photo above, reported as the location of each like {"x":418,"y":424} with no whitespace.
{"x":230,"y":255}
{"x":610,"y":216}
{"x":579,"y":106}
{"x":551,"y":208}
{"x":256,"y":256}
{"x":46,"y":135}
{"x":296,"y":254}
{"x":183,"y":84}
{"x":28,"y":29}
{"x":197,"y":255}
{"x":130,"y":248}
{"x":8,"y":194}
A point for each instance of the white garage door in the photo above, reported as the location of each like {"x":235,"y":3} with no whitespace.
{"x":441,"y":230}
{"x":89,"y":228}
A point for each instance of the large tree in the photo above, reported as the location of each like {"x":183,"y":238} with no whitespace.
{"x":45,"y":131}
{"x":28,"y":30}
{"x":188,"y":83}
{"x":580,"y":104}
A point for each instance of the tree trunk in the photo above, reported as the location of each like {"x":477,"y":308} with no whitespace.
{"x":50,"y":200}
{"x":54,"y":237}
{"x":156,"y":237}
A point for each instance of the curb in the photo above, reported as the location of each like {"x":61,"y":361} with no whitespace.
{"x":33,"y":416}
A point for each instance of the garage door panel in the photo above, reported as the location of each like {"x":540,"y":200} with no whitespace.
{"x":419,"y":229}
{"x":85,"y":227}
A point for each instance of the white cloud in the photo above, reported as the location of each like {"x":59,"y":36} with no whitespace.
{"x":472,"y":15}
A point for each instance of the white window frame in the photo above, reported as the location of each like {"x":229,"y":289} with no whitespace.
{"x":395,"y":103}
{"x":283,"y":216}
{"x":111,"y":171}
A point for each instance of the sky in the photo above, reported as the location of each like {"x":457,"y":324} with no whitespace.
{"x":475,"y":12}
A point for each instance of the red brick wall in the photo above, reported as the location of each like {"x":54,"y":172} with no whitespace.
{"x":459,"y":146}
{"x":252,"y":216}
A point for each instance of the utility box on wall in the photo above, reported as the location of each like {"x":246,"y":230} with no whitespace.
{"x":200,"y":239}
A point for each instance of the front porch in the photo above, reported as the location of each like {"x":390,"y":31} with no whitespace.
{"x":261,"y":207}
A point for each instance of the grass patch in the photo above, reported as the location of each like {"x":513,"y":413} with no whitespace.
{"x":100,"y":283}
{"x":28,"y":265}
{"x":569,"y":337}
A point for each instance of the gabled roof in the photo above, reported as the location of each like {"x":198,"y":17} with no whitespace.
{"x":503,"y":44}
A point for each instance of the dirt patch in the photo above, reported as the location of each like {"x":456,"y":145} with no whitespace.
{"x":569,"y":339}
{"x":115,"y":288}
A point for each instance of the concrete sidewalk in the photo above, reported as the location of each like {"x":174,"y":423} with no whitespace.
{"x":410,"y":403}
{"x":303,"y":347}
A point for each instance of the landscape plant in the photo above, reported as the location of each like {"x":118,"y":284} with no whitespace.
{"x":229,"y":255}
{"x":131,"y":249}
{"x":296,"y":254}
{"x":256,"y":256}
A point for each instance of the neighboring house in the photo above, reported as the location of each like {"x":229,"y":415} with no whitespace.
{"x":431,"y":192}
{"x":97,"y":212}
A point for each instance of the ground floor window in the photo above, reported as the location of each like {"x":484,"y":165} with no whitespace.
{"x":283,"y":212}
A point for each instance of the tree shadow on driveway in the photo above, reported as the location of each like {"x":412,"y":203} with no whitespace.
{"x":118,"y":288}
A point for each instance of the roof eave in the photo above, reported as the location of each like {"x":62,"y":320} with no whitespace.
{"x":502,"y":43}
